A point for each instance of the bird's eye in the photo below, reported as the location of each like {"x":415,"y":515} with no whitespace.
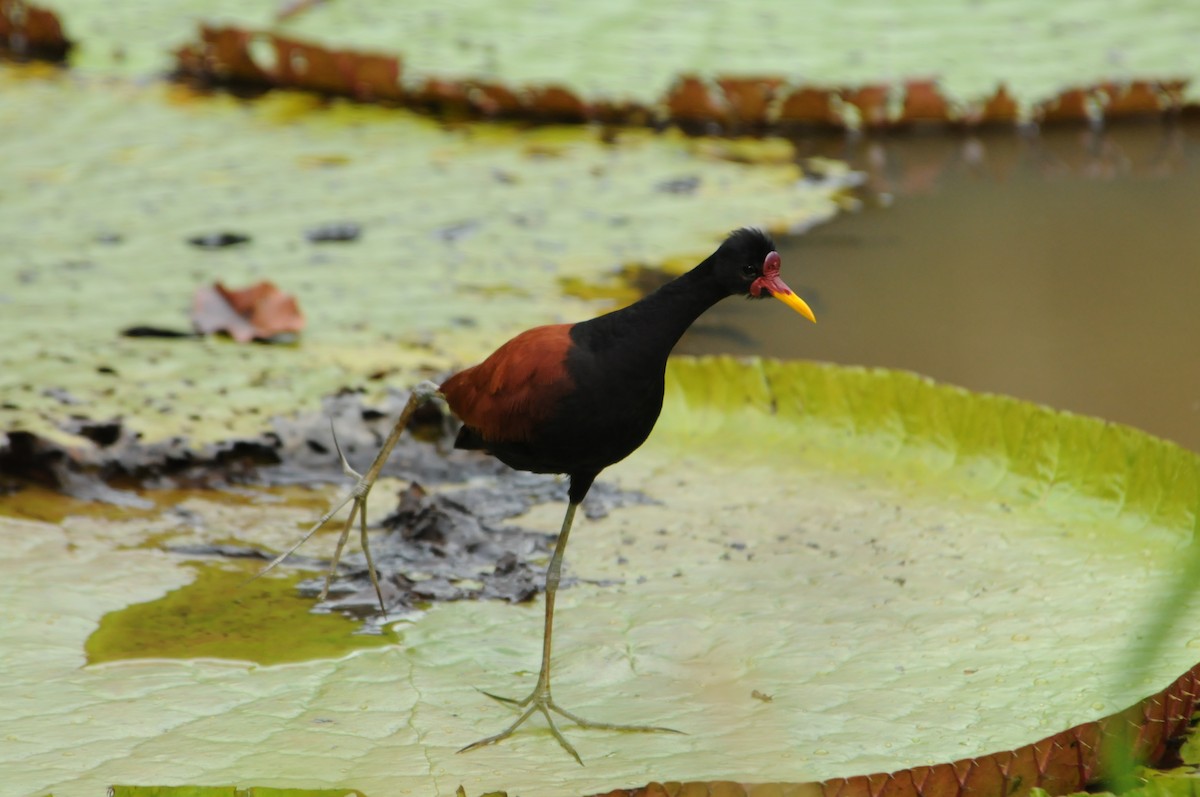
{"x":750,"y":270}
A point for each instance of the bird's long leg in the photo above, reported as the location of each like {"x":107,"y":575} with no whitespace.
{"x":540,"y":699}
{"x":422,"y":393}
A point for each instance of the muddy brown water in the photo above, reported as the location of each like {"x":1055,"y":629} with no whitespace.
{"x":1061,"y":267}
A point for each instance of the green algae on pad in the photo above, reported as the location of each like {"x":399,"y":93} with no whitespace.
{"x":221,"y":616}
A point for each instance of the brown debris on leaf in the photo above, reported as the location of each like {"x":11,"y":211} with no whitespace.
{"x":259,"y":312}
{"x":1064,"y":763}
{"x":30,"y":32}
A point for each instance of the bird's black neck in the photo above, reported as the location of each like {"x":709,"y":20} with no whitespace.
{"x":645,"y":332}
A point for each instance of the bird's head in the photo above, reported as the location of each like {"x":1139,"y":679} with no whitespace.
{"x":748,"y":265}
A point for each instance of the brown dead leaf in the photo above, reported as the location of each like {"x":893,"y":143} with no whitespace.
{"x":258,"y":312}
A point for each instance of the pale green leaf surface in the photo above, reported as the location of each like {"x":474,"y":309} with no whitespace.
{"x":631,"y":50}
{"x":156,"y":166}
{"x":913,"y":573}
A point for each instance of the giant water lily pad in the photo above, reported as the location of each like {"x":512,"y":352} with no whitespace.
{"x":743,"y":59}
{"x":852,"y":571}
{"x":466,"y":236}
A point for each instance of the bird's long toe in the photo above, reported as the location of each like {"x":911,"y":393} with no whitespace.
{"x":540,"y":701}
{"x":607,"y":726}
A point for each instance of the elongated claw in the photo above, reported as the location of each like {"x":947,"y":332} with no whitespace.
{"x":346,"y":469}
{"x":508,"y":701}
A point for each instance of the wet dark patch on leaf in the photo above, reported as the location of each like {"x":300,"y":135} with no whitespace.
{"x":219,"y":549}
{"x":457,"y":232}
{"x":102,"y":433}
{"x":146,"y":331}
{"x":118,"y":463}
{"x":456,"y":545}
{"x":218,"y":240}
{"x":338,"y":232}
{"x":679,"y":185}
{"x":60,"y":395}
{"x":308,"y":453}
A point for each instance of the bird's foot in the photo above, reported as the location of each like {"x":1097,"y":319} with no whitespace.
{"x":358,"y":494}
{"x":540,"y":701}
{"x":426,"y":391}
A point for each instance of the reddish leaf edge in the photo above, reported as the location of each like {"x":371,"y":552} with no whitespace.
{"x":29,"y":32}
{"x":1064,"y":763}
{"x":223,"y":57}
{"x":228,"y":57}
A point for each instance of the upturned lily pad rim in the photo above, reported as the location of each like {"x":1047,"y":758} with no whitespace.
{"x":1009,"y":447}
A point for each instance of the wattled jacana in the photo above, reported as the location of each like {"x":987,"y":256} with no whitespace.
{"x":574,"y":399}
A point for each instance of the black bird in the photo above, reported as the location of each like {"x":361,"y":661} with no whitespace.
{"x":574,"y":399}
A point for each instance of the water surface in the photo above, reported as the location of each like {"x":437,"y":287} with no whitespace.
{"x":1061,"y":267}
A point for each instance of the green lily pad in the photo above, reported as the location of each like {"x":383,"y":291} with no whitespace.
{"x":466,"y":235}
{"x":911,"y":574}
{"x":637,"y":51}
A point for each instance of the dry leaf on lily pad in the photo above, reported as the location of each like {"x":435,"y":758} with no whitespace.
{"x":259,"y":312}
{"x":914,"y":573}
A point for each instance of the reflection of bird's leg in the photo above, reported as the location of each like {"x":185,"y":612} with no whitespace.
{"x":540,"y":700}
{"x":426,"y":391}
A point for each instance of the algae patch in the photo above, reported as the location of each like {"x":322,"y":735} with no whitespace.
{"x":221,"y":616}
